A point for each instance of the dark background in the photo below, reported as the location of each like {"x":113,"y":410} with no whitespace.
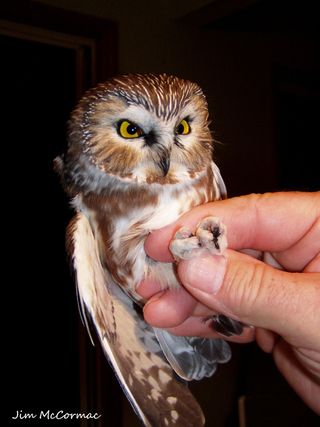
{"x":257,"y":62}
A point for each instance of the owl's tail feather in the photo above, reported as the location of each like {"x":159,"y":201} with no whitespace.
{"x":193,"y":358}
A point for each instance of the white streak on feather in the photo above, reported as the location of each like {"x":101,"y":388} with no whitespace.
{"x":172,"y":400}
{"x":164,"y":377}
{"x":174,"y":415}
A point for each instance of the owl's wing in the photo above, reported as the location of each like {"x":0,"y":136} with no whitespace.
{"x":157,"y":396}
{"x":193,"y":358}
{"x":220,"y":186}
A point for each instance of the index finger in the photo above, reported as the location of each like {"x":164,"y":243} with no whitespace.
{"x":271,"y":222}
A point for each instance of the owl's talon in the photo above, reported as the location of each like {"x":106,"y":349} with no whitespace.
{"x":226,"y":326}
{"x":210,"y":237}
{"x":184,"y":245}
{"x":183,"y":233}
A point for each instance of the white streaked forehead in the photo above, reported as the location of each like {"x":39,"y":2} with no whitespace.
{"x":140,"y":116}
{"x":148,"y":120}
{"x":163,"y":94}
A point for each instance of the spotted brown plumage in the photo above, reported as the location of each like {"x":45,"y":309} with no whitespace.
{"x":139,"y":155}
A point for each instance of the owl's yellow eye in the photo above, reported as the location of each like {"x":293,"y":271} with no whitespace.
{"x":183,"y":128}
{"x":128,"y":129}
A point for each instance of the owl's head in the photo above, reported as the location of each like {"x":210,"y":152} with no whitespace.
{"x":140,"y":128}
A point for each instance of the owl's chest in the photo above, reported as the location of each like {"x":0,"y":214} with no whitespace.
{"x":154,"y":214}
{"x":122,"y":225}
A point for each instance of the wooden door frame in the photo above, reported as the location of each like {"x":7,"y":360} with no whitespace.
{"x":29,"y":20}
{"x":102,"y":33}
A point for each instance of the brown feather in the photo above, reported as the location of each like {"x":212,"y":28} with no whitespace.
{"x":123,"y":189}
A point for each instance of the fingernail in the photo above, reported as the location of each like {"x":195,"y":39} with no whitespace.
{"x":155,"y":298}
{"x":205,"y":274}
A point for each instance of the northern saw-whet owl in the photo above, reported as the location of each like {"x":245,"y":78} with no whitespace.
{"x":140,"y":155}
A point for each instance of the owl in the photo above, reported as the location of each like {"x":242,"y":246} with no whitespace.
{"x":139,"y":155}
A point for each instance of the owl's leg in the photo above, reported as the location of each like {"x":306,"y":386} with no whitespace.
{"x":210,"y":236}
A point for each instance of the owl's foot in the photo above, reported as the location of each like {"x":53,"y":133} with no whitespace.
{"x":210,"y":236}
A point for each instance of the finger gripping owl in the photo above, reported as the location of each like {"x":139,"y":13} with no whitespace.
{"x":139,"y":155}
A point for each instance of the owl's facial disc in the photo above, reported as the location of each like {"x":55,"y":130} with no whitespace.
{"x":132,"y":142}
{"x":156,"y":142}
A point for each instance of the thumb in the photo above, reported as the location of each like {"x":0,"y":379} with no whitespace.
{"x":255,"y":293}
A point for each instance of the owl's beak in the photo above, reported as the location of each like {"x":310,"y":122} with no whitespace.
{"x":165,"y":164}
{"x":161,"y":155}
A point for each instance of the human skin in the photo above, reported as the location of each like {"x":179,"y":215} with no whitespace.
{"x":282,"y":305}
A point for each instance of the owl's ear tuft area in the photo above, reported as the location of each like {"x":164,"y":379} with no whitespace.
{"x":59,"y":168}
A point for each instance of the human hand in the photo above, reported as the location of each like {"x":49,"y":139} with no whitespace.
{"x":282,"y":305}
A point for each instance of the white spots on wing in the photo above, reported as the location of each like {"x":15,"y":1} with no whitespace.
{"x":155,"y":394}
{"x":174,"y":415}
{"x":153,"y":382}
{"x":156,"y":390}
{"x":130,"y":380}
{"x":137,"y":373}
{"x":172,"y":400}
{"x":164,"y":377}
{"x":166,"y":421}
